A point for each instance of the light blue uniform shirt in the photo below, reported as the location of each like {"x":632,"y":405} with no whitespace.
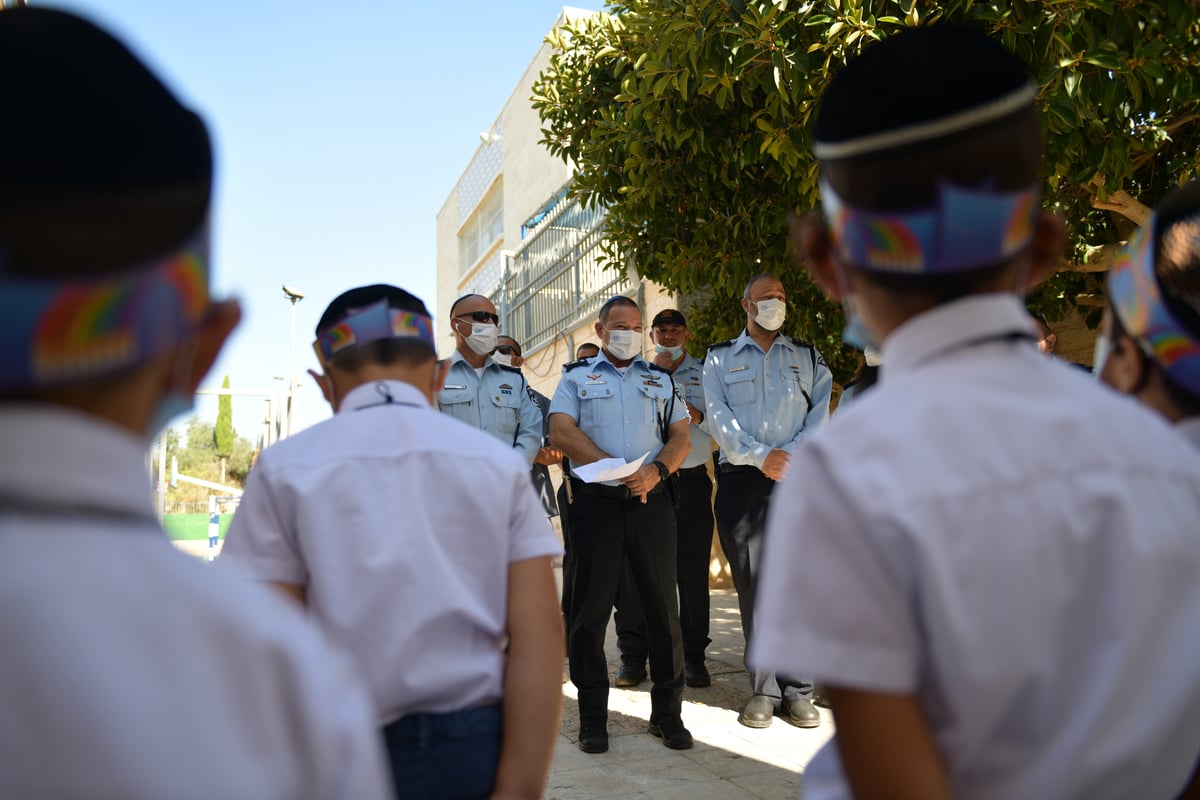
{"x":622,"y":414}
{"x":688,"y":382}
{"x":758,"y":401}
{"x":495,"y":401}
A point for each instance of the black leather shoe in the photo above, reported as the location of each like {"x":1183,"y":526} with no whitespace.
{"x":758,"y":712}
{"x":801,"y":713}
{"x":629,"y":676}
{"x":696,"y":675}
{"x":673,"y":734}
{"x":593,"y":739}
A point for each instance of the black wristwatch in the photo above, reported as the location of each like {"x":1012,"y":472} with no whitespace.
{"x":663,"y":472}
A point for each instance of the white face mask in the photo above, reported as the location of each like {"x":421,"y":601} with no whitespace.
{"x":673,"y":352}
{"x":1100,"y":355}
{"x":771,"y":313}
{"x":483,"y":337}
{"x":624,"y":345}
{"x":503,"y":359}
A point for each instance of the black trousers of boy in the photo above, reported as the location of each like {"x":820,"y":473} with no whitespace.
{"x":608,"y":528}
{"x":743,"y":493}
{"x":694,"y":525}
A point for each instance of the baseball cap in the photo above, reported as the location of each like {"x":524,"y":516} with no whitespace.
{"x":668,"y":316}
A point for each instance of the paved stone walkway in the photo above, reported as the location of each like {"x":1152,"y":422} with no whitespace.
{"x":728,"y":761}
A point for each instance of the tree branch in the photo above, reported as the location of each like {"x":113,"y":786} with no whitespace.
{"x":1119,"y":201}
{"x":1095,"y":259}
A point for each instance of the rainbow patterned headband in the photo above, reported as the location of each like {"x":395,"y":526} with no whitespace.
{"x":372,"y":324}
{"x":965,"y":230}
{"x":62,"y":331}
{"x":1137,"y":300}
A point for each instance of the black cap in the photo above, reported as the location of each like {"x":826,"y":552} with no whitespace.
{"x":668,"y":316}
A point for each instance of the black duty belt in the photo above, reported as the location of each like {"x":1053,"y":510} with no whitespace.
{"x":728,"y":469}
{"x":703,"y":468}
{"x":578,"y":487}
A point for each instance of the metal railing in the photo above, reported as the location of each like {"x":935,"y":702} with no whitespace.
{"x":556,"y":280}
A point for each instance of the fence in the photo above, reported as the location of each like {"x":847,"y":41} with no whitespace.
{"x":556,"y":280}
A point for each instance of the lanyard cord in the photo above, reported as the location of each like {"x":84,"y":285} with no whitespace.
{"x":388,"y":399}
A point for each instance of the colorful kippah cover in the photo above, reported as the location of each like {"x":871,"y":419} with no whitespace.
{"x":372,"y":324}
{"x":966,"y":229}
{"x":59,"y":331}
{"x":1135,"y":295}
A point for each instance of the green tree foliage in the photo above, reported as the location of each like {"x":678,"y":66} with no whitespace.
{"x":690,"y":121}
{"x":196,"y":455}
{"x":223,"y":432}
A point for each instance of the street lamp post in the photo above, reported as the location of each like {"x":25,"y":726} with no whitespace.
{"x":294,"y":296}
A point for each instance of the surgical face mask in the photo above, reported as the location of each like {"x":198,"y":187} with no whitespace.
{"x":503,"y":360}
{"x":1100,"y":355}
{"x":674,"y":352}
{"x":172,"y":405}
{"x":625,"y":345}
{"x":771,"y":313}
{"x":483,"y":337}
{"x":855,"y":333}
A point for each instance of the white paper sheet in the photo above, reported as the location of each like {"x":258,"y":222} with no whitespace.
{"x":608,"y":469}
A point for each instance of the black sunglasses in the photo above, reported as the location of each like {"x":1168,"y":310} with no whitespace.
{"x":480,"y":316}
{"x":508,"y":350}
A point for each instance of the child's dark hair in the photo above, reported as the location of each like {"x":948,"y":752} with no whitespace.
{"x":894,"y":99}
{"x":385,"y":352}
{"x":102,"y":169}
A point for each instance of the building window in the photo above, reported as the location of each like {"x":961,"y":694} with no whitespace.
{"x":482,"y":230}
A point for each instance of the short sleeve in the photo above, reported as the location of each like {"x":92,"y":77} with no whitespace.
{"x":260,"y":541}
{"x":833,"y":602}
{"x":566,"y":399}
{"x":530,"y":533}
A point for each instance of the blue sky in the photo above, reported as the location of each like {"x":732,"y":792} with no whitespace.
{"x":339,"y":128}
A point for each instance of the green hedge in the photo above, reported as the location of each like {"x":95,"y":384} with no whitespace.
{"x":192,"y":526}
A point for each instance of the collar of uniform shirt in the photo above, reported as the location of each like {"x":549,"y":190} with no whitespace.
{"x":746,"y":340}
{"x":603,"y":359}
{"x":368,"y":394}
{"x":977,"y":319}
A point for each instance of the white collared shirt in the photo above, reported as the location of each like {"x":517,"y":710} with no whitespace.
{"x":401,"y":522}
{"x":130,"y":670}
{"x":1010,"y":542}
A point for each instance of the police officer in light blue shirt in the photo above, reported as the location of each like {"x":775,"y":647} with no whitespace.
{"x":481,"y":392}
{"x":693,"y":518}
{"x":618,"y":406}
{"x":764,"y":392}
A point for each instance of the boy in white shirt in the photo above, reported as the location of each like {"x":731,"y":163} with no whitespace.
{"x":128,"y":669}
{"x":418,"y":544}
{"x":977,"y":573}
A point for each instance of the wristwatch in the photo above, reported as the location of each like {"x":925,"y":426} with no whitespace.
{"x":663,"y":472}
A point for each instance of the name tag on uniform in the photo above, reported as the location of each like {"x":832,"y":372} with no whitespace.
{"x":739,"y":369}
{"x":452,"y":386}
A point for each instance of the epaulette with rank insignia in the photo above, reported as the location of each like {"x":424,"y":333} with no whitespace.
{"x":658,"y":367}
{"x":573,"y":364}
{"x":726,"y":343}
{"x":510,"y":369}
{"x":814,"y":355}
